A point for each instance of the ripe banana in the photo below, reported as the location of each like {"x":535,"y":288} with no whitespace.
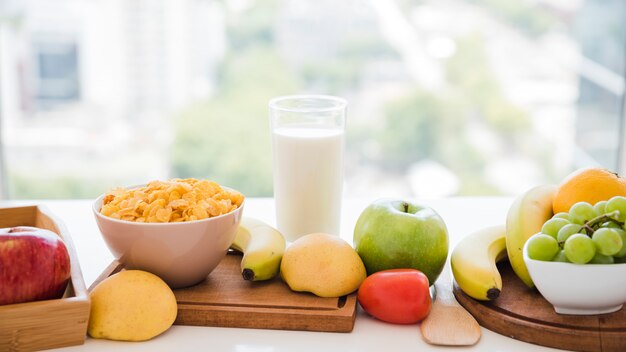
{"x":262,"y":247}
{"x":525,"y":218}
{"x":473,"y":263}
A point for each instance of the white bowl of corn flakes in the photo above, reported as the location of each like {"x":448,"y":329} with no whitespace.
{"x":178,"y":229}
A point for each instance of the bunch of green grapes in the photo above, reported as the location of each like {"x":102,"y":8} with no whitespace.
{"x":592,"y":234}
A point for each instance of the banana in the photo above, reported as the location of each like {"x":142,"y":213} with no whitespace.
{"x":525,"y":218}
{"x":262,"y":247}
{"x":473,"y":263}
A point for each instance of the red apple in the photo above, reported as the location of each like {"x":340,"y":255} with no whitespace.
{"x":34,"y":265}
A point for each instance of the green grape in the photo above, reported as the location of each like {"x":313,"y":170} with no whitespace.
{"x":601,"y":259}
{"x":542,"y":247}
{"x":561,"y":215}
{"x":567,"y":231}
{"x":611,"y":225}
{"x":581,"y":212}
{"x":607,"y":241}
{"x":579,"y":248}
{"x":552,"y":226}
{"x":600,"y":207}
{"x":560,"y":257}
{"x":617,"y":203}
{"x":622,"y":252}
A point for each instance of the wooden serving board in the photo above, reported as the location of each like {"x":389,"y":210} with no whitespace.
{"x":523,"y":314}
{"x":226,"y":299}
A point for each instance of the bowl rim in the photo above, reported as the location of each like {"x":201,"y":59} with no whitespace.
{"x":108,"y":218}
{"x":529,"y":259}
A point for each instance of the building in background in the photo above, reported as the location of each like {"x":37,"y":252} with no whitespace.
{"x":455,"y":97}
{"x":88,"y":87}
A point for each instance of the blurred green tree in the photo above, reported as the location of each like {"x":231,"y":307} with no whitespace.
{"x":424,"y":125}
{"x":227,"y":138}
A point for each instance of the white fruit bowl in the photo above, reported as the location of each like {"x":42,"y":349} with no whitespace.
{"x":579,"y":289}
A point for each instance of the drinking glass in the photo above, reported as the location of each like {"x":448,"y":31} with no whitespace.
{"x":308,"y":142}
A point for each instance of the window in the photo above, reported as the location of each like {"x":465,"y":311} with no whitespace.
{"x":462,"y":97}
{"x":57,"y":71}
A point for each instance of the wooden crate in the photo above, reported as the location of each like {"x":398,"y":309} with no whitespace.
{"x":51,"y":323}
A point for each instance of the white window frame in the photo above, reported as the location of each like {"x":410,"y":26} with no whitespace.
{"x":621,"y":152}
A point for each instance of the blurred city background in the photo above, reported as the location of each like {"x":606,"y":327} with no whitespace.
{"x":446,"y":97}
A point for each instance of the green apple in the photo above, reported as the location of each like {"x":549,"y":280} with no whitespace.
{"x":392,"y":234}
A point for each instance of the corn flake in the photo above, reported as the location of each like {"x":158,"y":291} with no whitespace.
{"x":175,"y":200}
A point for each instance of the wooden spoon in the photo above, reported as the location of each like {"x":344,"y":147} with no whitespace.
{"x":448,"y":323}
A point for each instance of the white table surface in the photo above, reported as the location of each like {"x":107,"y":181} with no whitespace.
{"x":462,"y":216}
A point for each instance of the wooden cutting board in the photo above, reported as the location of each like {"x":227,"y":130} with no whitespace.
{"x":226,"y":299}
{"x":523,"y":314}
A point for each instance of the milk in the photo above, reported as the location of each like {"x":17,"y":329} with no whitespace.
{"x":308,"y":177}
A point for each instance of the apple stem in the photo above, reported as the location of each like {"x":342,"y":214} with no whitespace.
{"x":406,"y":207}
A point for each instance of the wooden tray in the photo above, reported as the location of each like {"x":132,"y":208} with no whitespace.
{"x":226,"y":299}
{"x":523,"y":314}
{"x":51,"y":323}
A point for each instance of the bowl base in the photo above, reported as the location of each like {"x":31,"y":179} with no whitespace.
{"x":587,"y":311}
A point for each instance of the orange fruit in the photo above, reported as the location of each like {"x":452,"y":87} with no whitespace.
{"x":587,"y":185}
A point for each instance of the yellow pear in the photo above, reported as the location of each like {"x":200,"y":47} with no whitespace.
{"x":132,"y":305}
{"x":322,"y":264}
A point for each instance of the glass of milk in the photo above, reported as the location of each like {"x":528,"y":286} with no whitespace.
{"x":308,"y":142}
